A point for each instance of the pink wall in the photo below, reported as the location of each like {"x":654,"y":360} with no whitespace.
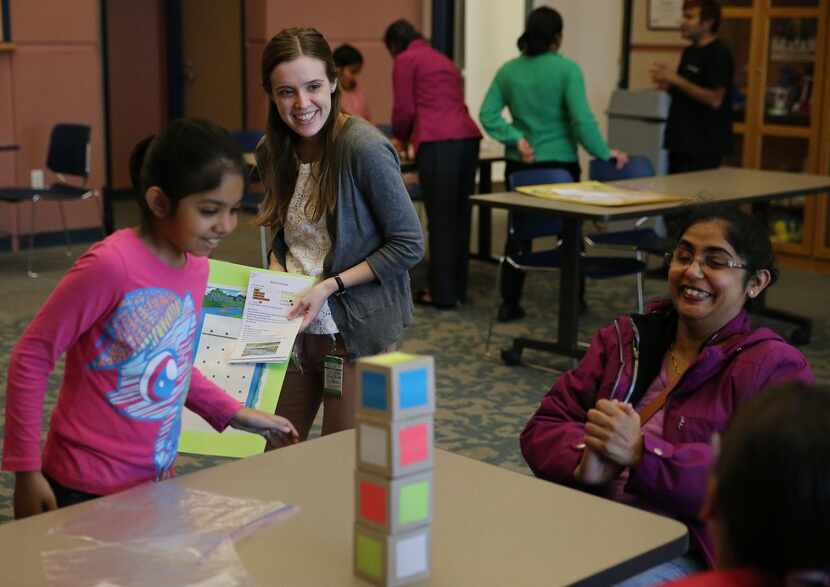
{"x":53,"y":75}
{"x":138,"y":102}
{"x":359,"y":22}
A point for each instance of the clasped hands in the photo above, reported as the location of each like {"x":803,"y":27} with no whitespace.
{"x":663,"y":76}
{"x":613,"y":441}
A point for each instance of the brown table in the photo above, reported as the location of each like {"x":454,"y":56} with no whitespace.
{"x":491,"y":526}
{"x":727,"y":185}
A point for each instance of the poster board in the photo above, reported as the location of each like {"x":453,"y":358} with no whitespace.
{"x":255,"y":385}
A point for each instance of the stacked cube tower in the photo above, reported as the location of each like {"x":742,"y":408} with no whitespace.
{"x":393,"y":480}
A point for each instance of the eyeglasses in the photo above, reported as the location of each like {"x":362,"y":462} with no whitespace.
{"x":716,"y":261}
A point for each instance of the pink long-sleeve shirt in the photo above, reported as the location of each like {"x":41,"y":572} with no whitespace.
{"x":127,"y":322}
{"x":429,"y":97}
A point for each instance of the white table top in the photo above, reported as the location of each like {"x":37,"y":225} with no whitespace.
{"x":725,"y":185}
{"x":491,"y":526}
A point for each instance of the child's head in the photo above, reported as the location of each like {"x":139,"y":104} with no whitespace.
{"x":189,"y":181}
{"x":349,"y":62}
{"x":300,"y":77}
{"x":769,"y":503}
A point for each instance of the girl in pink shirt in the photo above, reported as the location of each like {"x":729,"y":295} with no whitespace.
{"x":126,"y":315}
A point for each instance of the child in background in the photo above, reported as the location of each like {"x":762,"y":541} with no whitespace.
{"x":126,"y":316}
{"x":768,"y":504}
{"x":349,"y":62}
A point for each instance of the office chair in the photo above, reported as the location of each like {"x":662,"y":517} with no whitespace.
{"x":247,"y":141}
{"x":69,"y":155}
{"x":529,"y":225}
{"x":643,"y":241}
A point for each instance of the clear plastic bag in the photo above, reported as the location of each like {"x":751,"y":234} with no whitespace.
{"x":160,"y":535}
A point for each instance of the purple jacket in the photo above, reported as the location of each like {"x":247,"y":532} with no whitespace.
{"x":624,"y":358}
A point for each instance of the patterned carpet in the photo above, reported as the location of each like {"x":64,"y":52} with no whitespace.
{"x":482,"y":405}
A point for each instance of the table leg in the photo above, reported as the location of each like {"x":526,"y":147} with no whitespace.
{"x":485,"y":226}
{"x":107,"y":211}
{"x":568,"y":327}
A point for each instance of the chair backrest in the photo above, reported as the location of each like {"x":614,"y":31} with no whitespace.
{"x":247,"y":139}
{"x":637,"y":166}
{"x":529,"y":225}
{"x":69,"y":150}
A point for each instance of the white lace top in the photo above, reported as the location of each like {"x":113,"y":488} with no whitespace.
{"x":308,"y":243}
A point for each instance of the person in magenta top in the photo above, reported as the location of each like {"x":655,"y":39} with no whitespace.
{"x":430,"y":117}
{"x":349,"y":62}
{"x":768,"y":498}
{"x":633,"y":421}
{"x":125,"y":315}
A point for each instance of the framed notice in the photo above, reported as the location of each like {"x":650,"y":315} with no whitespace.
{"x":665,"y":14}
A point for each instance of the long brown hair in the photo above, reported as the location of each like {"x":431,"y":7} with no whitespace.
{"x":287,"y":45}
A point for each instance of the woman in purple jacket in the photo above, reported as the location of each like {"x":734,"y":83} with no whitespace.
{"x":634,"y":420}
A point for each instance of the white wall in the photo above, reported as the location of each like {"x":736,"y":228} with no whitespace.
{"x":592,"y":36}
{"x":491,"y":28}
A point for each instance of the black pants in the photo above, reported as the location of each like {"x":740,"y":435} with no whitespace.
{"x":447,"y":176}
{"x":512,"y":280}
{"x":683,"y":163}
{"x":66,"y":496}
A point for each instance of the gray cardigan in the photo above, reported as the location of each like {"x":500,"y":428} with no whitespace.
{"x":374,"y":220}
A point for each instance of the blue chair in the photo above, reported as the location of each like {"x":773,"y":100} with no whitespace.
{"x":642,"y":241}
{"x":247,"y":141}
{"x":68,"y":155}
{"x":528,"y":226}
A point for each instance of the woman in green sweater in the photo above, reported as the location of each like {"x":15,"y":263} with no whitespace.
{"x":545,"y":93}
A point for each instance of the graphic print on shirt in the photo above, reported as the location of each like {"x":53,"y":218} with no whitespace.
{"x":149,"y":340}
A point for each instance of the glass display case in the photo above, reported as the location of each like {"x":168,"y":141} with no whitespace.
{"x":780,"y":51}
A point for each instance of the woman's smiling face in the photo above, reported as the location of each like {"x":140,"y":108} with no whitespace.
{"x":704,"y":295}
{"x":302,"y":94}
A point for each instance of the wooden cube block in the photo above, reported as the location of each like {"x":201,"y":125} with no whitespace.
{"x":393,"y":505}
{"x":395,"y":448}
{"x":391,"y":559}
{"x":395,"y":386}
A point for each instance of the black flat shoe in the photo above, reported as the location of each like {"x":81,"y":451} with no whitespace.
{"x":423,"y":298}
{"x":510,"y":312}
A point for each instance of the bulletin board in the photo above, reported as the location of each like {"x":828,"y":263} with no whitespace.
{"x":665,"y":14}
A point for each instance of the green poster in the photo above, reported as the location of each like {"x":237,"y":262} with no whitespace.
{"x":255,"y":385}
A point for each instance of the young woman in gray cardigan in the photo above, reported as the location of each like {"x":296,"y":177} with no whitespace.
{"x":340,"y":212}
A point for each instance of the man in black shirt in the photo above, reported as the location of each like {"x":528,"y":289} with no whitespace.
{"x":699,"y":129}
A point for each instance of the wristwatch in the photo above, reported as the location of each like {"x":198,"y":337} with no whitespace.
{"x":340,"y":287}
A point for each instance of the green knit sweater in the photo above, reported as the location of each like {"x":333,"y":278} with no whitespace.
{"x":546,"y":98}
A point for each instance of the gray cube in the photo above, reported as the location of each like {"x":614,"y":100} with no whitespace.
{"x":393,"y":505}
{"x":395,"y":448}
{"x":392,"y":560}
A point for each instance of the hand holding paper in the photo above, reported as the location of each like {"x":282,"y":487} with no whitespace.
{"x":307,"y":305}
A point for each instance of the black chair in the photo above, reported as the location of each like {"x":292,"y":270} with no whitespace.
{"x":528,"y":226}
{"x":69,"y":155}
{"x":247,"y":141}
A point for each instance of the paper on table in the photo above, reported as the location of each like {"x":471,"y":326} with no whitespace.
{"x":267,"y":334}
{"x":596,"y":193}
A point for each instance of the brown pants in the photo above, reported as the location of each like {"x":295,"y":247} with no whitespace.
{"x":302,"y":390}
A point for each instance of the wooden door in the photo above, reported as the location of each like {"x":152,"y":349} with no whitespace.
{"x":212,"y":61}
